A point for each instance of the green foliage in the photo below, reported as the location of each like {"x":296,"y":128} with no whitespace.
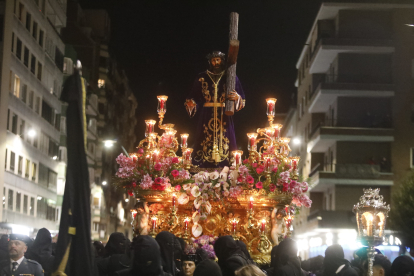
{"x":402,"y":210}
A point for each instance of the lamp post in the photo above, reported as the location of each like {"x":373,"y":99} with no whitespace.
{"x":371,"y":215}
{"x":110,"y":142}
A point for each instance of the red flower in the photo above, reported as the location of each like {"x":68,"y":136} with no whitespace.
{"x":158,"y":180}
{"x":240,"y":178}
{"x":259,"y":170}
{"x":130,"y":193}
{"x":140,"y":151}
{"x":175,"y":160}
{"x":272,"y":187}
{"x":157,"y":166}
{"x":245,"y":161}
{"x":274,"y":170}
{"x":134,"y":184}
{"x":254,"y":165}
{"x":259,"y":185}
{"x":250,"y":179}
{"x":175,"y":173}
{"x":285,"y":187}
{"x":177,"y":188}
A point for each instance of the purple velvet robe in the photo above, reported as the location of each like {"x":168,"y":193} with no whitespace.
{"x":203,"y":92}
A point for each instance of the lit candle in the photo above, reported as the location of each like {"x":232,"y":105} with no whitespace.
{"x":234,"y":223}
{"x":271,"y":106}
{"x":263,"y":225}
{"x":162,"y":104}
{"x":252,"y":141}
{"x":237,"y":156}
{"x":173,"y":199}
{"x":184,"y":138}
{"x":267,"y":163}
{"x":187,"y":156}
{"x":276,"y":128}
{"x":294,"y":162}
{"x":251,"y":203}
{"x":155,"y":155}
{"x":154,"y":223}
{"x":186,"y":221}
{"x":149,"y":127}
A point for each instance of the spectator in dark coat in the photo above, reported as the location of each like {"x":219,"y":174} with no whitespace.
{"x":99,"y":249}
{"x":230,"y":256}
{"x":402,"y":266}
{"x":286,"y":261}
{"x":4,"y":248}
{"x":41,"y":251}
{"x":208,"y":268}
{"x":171,"y":252}
{"x":334,"y":263}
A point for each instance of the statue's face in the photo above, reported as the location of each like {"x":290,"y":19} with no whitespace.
{"x":188,"y":268}
{"x":216,"y":62}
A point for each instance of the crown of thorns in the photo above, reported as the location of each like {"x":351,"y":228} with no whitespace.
{"x":216,"y":54}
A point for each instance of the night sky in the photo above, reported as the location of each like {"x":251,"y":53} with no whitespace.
{"x":162,"y":47}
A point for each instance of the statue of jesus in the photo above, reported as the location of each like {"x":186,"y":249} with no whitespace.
{"x":215,"y":137}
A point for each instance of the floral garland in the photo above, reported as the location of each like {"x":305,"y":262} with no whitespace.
{"x":205,"y":242}
{"x":139,"y":173}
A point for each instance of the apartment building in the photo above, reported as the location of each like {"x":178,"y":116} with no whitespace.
{"x":354,"y":116}
{"x":31,"y":82}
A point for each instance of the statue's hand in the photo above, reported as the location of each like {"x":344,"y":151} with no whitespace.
{"x":233,"y":96}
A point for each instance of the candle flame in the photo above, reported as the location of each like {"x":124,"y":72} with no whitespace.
{"x":263,"y":221}
{"x":187,"y":219}
{"x":154,"y":218}
{"x":173,"y":194}
{"x":251,"y":198}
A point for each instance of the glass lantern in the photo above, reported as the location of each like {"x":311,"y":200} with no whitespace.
{"x":149,"y":127}
{"x":271,"y":102}
{"x":237,"y":156}
{"x":371,"y":213}
{"x":252,"y":141}
{"x":162,"y":104}
{"x":184,"y":138}
{"x":276,"y":130}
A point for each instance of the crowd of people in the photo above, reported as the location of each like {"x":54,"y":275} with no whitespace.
{"x":167,"y":255}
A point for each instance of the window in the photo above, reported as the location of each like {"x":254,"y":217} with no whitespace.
{"x":33,"y":64}
{"x":34,"y":171}
{"x":27,"y":169}
{"x":12,"y":47}
{"x":26,"y":57}
{"x":5,"y":161}
{"x":20,"y":165}
{"x":14,"y":123}
{"x":59,"y":58}
{"x":41,"y":207}
{"x":57,"y":121}
{"x":22,"y":128}
{"x":46,"y":208}
{"x":19,"y":49}
{"x":47,"y":112}
{"x":16,"y":91}
{"x":34,"y":31}
{"x":28,"y":21}
{"x":31,"y":95}
{"x":10,"y":200}
{"x":4,"y":198}
{"x":37,"y":105}
{"x":23,"y":95}
{"x":39,"y":70}
{"x":43,"y":176}
{"x":102,"y":62}
{"x":21,"y":9}
{"x":41,"y":37}
{"x":12,"y":160}
{"x":32,"y":206}
{"x":18,"y":201}
{"x":25,"y":204}
{"x":52,"y":181}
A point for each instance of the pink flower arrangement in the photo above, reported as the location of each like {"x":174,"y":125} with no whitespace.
{"x":175,"y":173}
{"x":157,"y":166}
{"x":175,"y":160}
{"x":259,"y":185}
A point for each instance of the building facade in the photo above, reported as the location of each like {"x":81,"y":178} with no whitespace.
{"x":354,"y":116}
{"x":31,"y":81}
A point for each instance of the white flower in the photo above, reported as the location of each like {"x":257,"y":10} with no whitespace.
{"x":214,"y":175}
{"x":195,"y":191}
{"x":186,"y":187}
{"x":183,"y":199}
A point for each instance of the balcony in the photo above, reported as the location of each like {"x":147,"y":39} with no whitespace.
{"x":325,"y":134}
{"x":332,"y":219}
{"x":349,"y":174}
{"x":330,"y":87}
{"x":328,"y":48}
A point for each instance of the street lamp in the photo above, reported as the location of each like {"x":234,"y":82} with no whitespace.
{"x":371,"y":215}
{"x":31,"y":133}
{"x":104,"y":183}
{"x":110,"y":142}
{"x":296,"y":141}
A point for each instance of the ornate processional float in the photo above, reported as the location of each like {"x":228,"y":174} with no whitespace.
{"x":254,"y":199}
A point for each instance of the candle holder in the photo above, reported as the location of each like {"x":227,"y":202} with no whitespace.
{"x":234,"y":223}
{"x":187,"y":158}
{"x":371,"y":213}
{"x":252,"y":146}
{"x":149,"y":127}
{"x":284,"y":146}
{"x":162,"y":107}
{"x":270,"y":111}
{"x":276,"y":131}
{"x":173,"y":215}
{"x":153,"y":232}
{"x":237,"y":154}
{"x":186,"y":236}
{"x":264,"y":246}
{"x":294,"y":165}
{"x":184,"y":138}
{"x":250,"y":213}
